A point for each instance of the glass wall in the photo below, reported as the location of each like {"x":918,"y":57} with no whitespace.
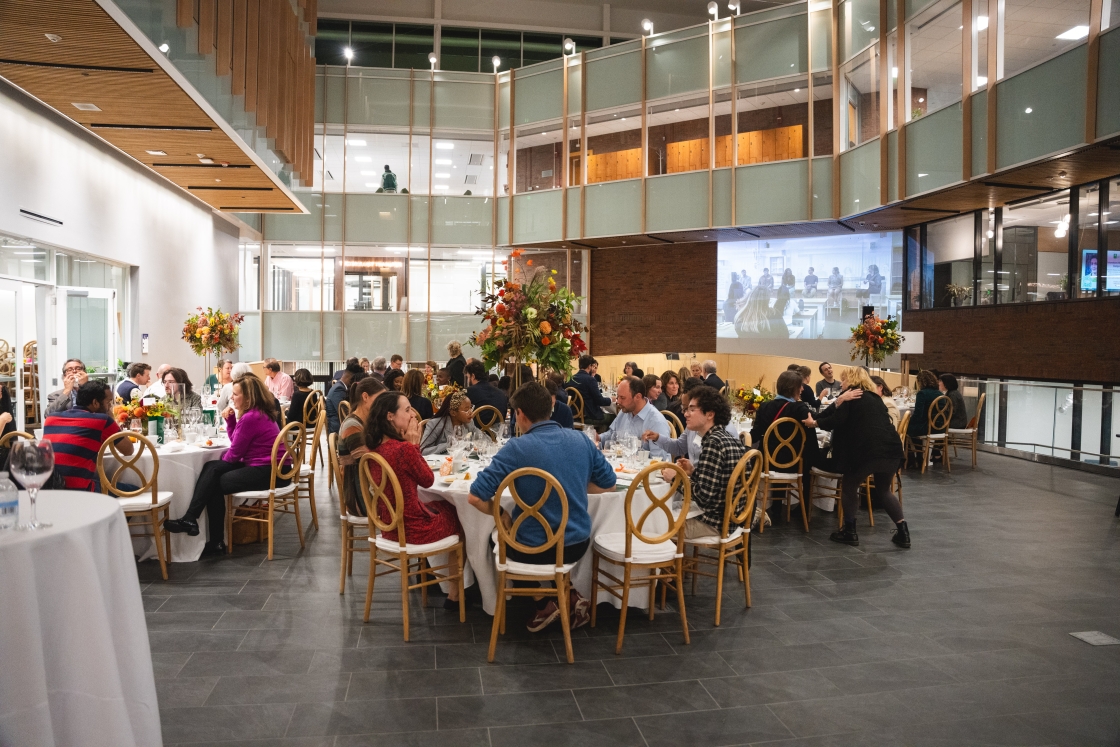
{"x":948,"y":262}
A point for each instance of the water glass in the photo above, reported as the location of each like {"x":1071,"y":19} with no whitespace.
{"x":32,"y":462}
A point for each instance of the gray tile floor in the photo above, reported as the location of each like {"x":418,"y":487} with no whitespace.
{"x":962,"y":640}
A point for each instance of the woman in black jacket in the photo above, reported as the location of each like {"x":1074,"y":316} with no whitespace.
{"x":787,"y":404}
{"x":863,"y":443}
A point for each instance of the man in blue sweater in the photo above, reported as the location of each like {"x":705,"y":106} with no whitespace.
{"x":576,"y":464}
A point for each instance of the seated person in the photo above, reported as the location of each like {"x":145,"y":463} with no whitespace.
{"x":635,"y":416}
{"x":73,"y":376}
{"x":706,"y":415}
{"x":631,"y":369}
{"x":829,"y":386}
{"x":279,"y":383}
{"x":76,"y":435}
{"x":947,"y":385}
{"x":593,"y":400}
{"x":139,"y":376}
{"x":654,"y":393}
{"x":787,"y":404}
{"x":339,"y":391}
{"x":561,"y":413}
{"x":480,"y":391}
{"x":710,"y":377}
{"x":247,"y":465}
{"x":928,"y":390}
{"x":394,"y":379}
{"x":413,"y":388}
{"x":179,"y":388}
{"x":393,"y":431}
{"x":443,"y":377}
{"x":811,"y":281}
{"x":303,"y":381}
{"x":576,"y":464}
{"x":884,"y":391}
{"x":351,"y":443}
{"x":454,"y":411}
{"x":237,"y":370}
{"x":685,"y":445}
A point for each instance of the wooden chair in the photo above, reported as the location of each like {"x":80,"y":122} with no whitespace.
{"x":937,"y":426}
{"x":307,"y":471}
{"x":745,"y":437}
{"x":512,"y":570}
{"x":343,"y":410}
{"x":785,"y":456}
{"x":313,"y":407}
{"x":818,"y":489}
{"x":488,"y":418}
{"x":575,"y":401}
{"x":676,"y":427}
{"x":6,"y":441}
{"x":966,"y":437}
{"x":659,"y":557}
{"x":146,"y":505}
{"x":735,"y":534}
{"x":386,"y":494}
{"x":267,"y":505}
{"x":896,"y":481}
{"x":354,"y":528}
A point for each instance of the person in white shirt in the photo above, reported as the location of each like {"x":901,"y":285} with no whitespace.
{"x":636,"y":416}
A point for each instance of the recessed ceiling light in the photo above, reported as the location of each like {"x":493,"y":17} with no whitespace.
{"x":445,"y":146}
{"x":441,"y":186}
{"x":1075,"y":33}
{"x":1028,"y":110}
{"x":53,"y":38}
{"x":86,"y":107}
{"x":443,"y":162}
{"x":156,"y":152}
{"x":165,"y":47}
{"x":921,"y":101}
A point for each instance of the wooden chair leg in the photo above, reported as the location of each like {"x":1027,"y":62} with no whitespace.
{"x":625,"y":602}
{"x":346,"y":550}
{"x":925,"y":455}
{"x":271,"y":523}
{"x":695,"y":569}
{"x":311,"y":496}
{"x":420,"y":570}
{"x":404,"y":592}
{"x":462,"y":595}
{"x":870,"y":513}
{"x":945,"y":456}
{"x":229,"y":525}
{"x":974,"y":449}
{"x":370,"y":581}
{"x":499,"y":614}
{"x":680,"y":598}
{"x":804,"y":511}
{"x":167,"y":535}
{"x":652,"y":594}
{"x":763,"y":488}
{"x":746,"y":571}
{"x":595,"y":585}
{"x":562,"y":598}
{"x":299,"y":522}
{"x":159,"y":543}
{"x":719,"y":583}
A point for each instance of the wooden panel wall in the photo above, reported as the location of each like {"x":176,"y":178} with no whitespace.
{"x":619,"y":164}
{"x":778,"y":144}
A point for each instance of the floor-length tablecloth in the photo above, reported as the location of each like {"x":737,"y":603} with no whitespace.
{"x":75,"y":667}
{"x":178,"y":472}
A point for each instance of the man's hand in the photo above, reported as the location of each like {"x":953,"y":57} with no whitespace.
{"x":73,"y":381}
{"x":668,"y":475}
{"x":686,"y":465}
{"x":650,"y":436}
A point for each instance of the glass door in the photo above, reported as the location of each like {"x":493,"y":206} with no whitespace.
{"x":86,"y":328}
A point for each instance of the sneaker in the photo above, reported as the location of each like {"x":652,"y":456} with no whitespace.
{"x":178,"y":526}
{"x":901,"y":536}
{"x":845,"y":537}
{"x":544,"y":617}
{"x":581,"y":610}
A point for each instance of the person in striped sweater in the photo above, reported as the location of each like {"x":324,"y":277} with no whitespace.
{"x":78,"y":432}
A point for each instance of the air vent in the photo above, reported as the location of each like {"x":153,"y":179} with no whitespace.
{"x":471,"y":179}
{"x":476,"y":159}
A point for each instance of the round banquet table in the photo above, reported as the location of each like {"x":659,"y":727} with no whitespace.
{"x":76,"y":667}
{"x":608,"y":515}
{"x":178,"y":472}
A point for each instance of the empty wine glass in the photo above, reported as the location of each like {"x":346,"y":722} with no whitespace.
{"x":135,"y":426}
{"x":32,"y":462}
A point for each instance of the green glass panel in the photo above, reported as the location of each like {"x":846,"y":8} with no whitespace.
{"x":463,"y":220}
{"x":613,"y":209}
{"x":859,"y":178}
{"x":677,"y":67}
{"x":331,"y":39}
{"x":377,"y":101}
{"x":721,"y":197}
{"x":721,"y":50}
{"x":822,"y":188}
{"x":538,"y":97}
{"x":503,"y":221}
{"x":859,"y":26}
{"x":418,"y":349}
{"x":419,"y":220}
{"x":320,"y":84}
{"x":421,"y":103}
{"x":575,"y":86}
{"x":1042,"y":110}
{"x":614,"y":81}
{"x":465,"y":105}
{"x":372,"y":44}
{"x":772,"y":50}
{"x":307,"y":227}
{"x":412,"y":45}
{"x":250,"y":336}
{"x":377,"y":218}
{"x":772,"y":192}
{"x":503,"y":104}
{"x":573,"y":198}
{"x":677,"y":201}
{"x":933,"y":150}
{"x":892,"y":165}
{"x":292,"y":335}
{"x":979,"y":133}
{"x":333,"y":106}
{"x":1108,"y":92}
{"x":368,"y":331}
{"x":332,"y":336}
{"x":537,"y":216}
{"x":821,"y":26}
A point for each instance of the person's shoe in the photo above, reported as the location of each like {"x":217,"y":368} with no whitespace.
{"x":901,"y":535}
{"x":178,"y":526}
{"x":580,"y":608}
{"x":544,"y":617}
{"x":845,"y":537}
{"x":214,"y":548}
{"x":448,"y":604}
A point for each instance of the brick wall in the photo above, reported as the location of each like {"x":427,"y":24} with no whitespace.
{"x":1064,"y":341}
{"x":653,"y":299}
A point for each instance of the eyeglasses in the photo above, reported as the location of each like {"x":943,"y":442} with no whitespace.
{"x":73,"y":370}
{"x":692,"y":408}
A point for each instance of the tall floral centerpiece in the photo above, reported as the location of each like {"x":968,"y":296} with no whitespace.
{"x":212,"y":332}
{"x":874,"y":339}
{"x":530,"y":322}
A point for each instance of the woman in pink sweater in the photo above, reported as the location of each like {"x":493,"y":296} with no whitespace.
{"x":247,"y":465}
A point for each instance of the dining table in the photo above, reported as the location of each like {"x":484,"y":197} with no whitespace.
{"x":76,"y":666}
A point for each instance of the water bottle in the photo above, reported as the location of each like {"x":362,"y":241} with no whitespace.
{"x":9,"y":502}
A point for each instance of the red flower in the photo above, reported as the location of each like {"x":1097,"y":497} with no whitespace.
{"x":500,"y":308}
{"x":546,"y":340}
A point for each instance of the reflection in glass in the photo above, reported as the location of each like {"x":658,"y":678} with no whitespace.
{"x":1112,"y":235}
{"x":987,"y":257}
{"x":372,"y":44}
{"x":458,"y":49}
{"x":24,"y":259}
{"x":412,"y":45}
{"x":773,"y":121}
{"x":505,"y":45}
{"x":934,"y":48}
{"x":367,"y":156}
{"x":373,"y":278}
{"x":614,"y":145}
{"x":301,"y":278}
{"x":678,"y":136}
{"x":822,"y":114}
{"x":1035,"y":260}
{"x":1033,"y":33}
{"x":249,"y":277}
{"x":1088,"y":206}
{"x":540,"y":157}
{"x":331,"y":38}
{"x":914,"y":267}
{"x":462,"y":164}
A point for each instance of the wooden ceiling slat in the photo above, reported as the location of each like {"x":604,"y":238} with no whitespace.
{"x":223,"y":59}
{"x":207,"y":18}
{"x":252,"y":52}
{"x":237,"y":79}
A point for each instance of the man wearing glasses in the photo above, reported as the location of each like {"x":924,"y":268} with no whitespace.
{"x":73,"y":376}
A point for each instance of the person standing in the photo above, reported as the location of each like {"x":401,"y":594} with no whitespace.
{"x":863,"y":443}
{"x":584,"y":382}
{"x":389,"y":181}
{"x":456,"y":363}
{"x":710,"y":378}
{"x":884,"y":391}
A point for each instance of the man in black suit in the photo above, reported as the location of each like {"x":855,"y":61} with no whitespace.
{"x":710,"y":378}
{"x":594,"y":401}
{"x":481,"y":391}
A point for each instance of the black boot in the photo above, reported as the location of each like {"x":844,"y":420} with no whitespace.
{"x":847,"y":535}
{"x":901,"y":535}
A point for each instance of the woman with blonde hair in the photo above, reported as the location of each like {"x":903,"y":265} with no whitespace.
{"x":863,"y":443}
{"x":457,"y":363}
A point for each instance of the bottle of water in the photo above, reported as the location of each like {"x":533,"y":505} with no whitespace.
{"x":9,"y":502}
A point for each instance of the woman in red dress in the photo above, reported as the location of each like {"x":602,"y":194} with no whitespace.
{"x":392,"y":430}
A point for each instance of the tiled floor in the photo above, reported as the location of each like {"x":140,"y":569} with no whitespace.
{"x":962,"y":640}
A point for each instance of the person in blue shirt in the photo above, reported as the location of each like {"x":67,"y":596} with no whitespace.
{"x":593,"y":400}
{"x":636,"y":416}
{"x":576,"y":464}
{"x":561,"y":413}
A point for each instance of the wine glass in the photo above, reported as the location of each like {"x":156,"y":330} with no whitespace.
{"x":31,"y":462}
{"x":135,"y":426}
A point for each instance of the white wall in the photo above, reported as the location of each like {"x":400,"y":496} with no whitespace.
{"x":115,"y":209}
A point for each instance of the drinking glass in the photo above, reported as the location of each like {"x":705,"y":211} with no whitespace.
{"x":31,"y":462}
{"x":135,"y":426}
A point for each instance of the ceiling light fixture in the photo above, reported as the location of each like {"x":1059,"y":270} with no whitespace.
{"x":734,"y":7}
{"x":445,"y":146}
{"x":647,"y":26}
{"x":713,"y":10}
{"x":348,"y":53}
{"x":1028,"y":110}
{"x":432,"y":60}
{"x":1075,"y":33}
{"x":165,"y":47}
{"x":441,"y":186}
{"x":569,"y":45}
{"x":981,"y":23}
{"x":496,"y":61}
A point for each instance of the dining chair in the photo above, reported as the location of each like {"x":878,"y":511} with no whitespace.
{"x":819,"y":488}
{"x":896,"y":481}
{"x":6,"y":441}
{"x":487,"y":418}
{"x":313,"y":407}
{"x":343,"y":410}
{"x":575,"y":401}
{"x":745,"y":437}
{"x":782,"y":454}
{"x":966,"y":437}
{"x":354,"y":527}
{"x":734,"y":538}
{"x":384,"y":494}
{"x":146,"y":505}
{"x":655,"y":558}
{"x":307,"y":470}
{"x":266,"y":506}
{"x":511,"y":570}
{"x":676,"y":427}
{"x":937,"y":426}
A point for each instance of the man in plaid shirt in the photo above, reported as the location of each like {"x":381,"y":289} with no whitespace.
{"x":707,"y":414}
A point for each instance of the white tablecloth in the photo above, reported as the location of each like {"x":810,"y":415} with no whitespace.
{"x":178,"y":472}
{"x":75,"y":667}
{"x":607,"y":512}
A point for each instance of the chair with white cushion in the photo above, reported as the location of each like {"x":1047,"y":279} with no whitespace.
{"x":266,"y":506}
{"x":307,"y":471}
{"x":937,"y":427}
{"x":965,"y":437}
{"x":354,"y":528}
{"x":512,"y":570}
{"x":146,"y":506}
{"x":653,"y":557}
{"x":735,"y":533}
{"x":384,"y":493}
{"x":782,"y":465}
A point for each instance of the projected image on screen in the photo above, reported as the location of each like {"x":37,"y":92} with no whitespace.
{"x":806,"y":288}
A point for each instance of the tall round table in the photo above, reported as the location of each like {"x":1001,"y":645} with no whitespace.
{"x":76,"y":665}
